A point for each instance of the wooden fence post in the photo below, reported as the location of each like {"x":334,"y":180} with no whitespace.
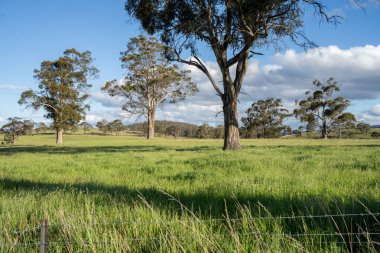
{"x":44,"y":236}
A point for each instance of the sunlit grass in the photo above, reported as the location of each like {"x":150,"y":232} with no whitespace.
{"x":182,"y":195}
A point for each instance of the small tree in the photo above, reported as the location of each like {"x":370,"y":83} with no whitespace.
{"x":28,"y":126}
{"x":103,"y":126}
{"x":116,"y":126}
{"x":266,"y":117}
{"x":363,"y":127}
{"x":320,"y":108}
{"x":63,"y":89}
{"x":86,"y":127}
{"x":150,"y":81}
{"x":14,"y":129}
{"x":345,"y":121}
{"x":40,"y":127}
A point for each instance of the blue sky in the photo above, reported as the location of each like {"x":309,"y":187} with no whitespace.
{"x":34,"y":31}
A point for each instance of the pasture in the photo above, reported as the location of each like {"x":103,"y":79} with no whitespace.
{"x":128,"y":194}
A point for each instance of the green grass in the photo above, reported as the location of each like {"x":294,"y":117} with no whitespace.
{"x":184,"y":195}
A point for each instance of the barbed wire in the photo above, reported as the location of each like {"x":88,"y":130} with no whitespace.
{"x":323,"y":216}
{"x":220,"y":219}
{"x":285,"y":235}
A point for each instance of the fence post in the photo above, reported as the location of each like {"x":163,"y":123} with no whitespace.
{"x":44,"y":236}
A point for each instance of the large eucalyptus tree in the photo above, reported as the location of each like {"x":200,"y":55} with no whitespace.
{"x":233,"y":29}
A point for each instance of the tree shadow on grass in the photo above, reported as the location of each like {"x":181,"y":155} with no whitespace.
{"x":211,"y":205}
{"x":107,"y":149}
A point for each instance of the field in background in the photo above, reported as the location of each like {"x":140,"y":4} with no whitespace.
{"x":125,"y":193}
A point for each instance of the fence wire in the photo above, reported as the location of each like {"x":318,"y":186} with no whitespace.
{"x":285,"y":235}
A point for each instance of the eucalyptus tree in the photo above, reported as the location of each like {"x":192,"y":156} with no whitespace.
{"x":116,"y":126}
{"x":150,"y":81}
{"x":345,"y":121}
{"x":103,"y":126}
{"x":63,"y":89}
{"x":320,"y":107}
{"x":266,"y":118}
{"x":86,"y":127}
{"x":233,"y":29}
{"x":14,"y":129}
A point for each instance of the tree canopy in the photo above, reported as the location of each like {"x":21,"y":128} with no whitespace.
{"x":320,"y":107}
{"x":266,"y":118}
{"x":150,"y":80}
{"x":63,"y":89}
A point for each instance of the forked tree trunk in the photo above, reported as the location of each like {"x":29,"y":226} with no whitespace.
{"x":151,"y":115}
{"x":58,"y":138}
{"x":231,"y":125}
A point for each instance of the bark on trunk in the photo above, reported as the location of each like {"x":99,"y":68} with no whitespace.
{"x":151,"y":124}
{"x":231,"y":125}
{"x":59,"y":133}
{"x":324,"y":131}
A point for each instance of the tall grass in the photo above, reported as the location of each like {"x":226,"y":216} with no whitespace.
{"x":127,"y":194}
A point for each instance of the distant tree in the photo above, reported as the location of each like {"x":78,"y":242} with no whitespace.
{"x":150,"y":81}
{"x":63,"y":89}
{"x":203,"y":131}
{"x":14,"y":129}
{"x":232,"y":29}
{"x":28,"y":126}
{"x":116,"y":126}
{"x":320,"y":108}
{"x":266,"y":117}
{"x":363,"y":127}
{"x":40,"y":127}
{"x":345,"y":121}
{"x":218,"y":132}
{"x":86,"y":127}
{"x":103,"y":126}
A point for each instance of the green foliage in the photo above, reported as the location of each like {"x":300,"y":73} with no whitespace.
{"x":85,"y":126}
{"x":265,"y":118}
{"x":41,"y":127}
{"x":151,"y":79}
{"x":63,"y":88}
{"x":321,"y":109}
{"x":15,"y":128}
{"x":363,"y":127}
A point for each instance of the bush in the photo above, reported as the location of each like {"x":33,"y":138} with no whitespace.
{"x":375,"y":135}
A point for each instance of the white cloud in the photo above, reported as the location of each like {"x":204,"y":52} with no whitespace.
{"x":371,"y":116}
{"x":12,"y":87}
{"x":106,"y":100}
{"x":287,"y":76}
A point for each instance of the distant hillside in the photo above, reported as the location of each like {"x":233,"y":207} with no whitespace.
{"x":179,"y":129}
{"x":158,"y":123}
{"x":375,"y":126}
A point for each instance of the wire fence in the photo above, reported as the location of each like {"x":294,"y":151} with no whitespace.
{"x":43,"y":230}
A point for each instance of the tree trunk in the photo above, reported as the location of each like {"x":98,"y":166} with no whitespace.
{"x":231,"y":125}
{"x":59,"y":133}
{"x":151,"y":115}
{"x":324,"y":131}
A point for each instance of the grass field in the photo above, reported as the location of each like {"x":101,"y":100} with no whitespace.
{"x":128,"y":194}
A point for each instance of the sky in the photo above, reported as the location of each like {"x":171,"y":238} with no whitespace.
{"x":34,"y":31}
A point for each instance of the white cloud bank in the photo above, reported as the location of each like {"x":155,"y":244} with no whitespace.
{"x":288,"y":76}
